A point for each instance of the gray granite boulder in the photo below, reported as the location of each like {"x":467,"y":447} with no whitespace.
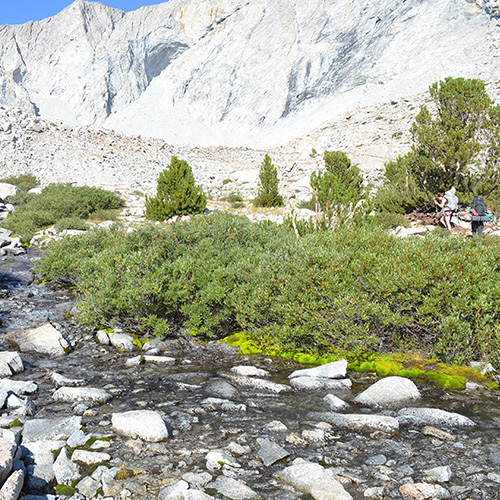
{"x":18,"y":386}
{"x":51,"y":429}
{"x":388,"y":391}
{"x":143,"y":424}
{"x":359,"y":422}
{"x":233,"y":489}
{"x":433,"y":416}
{"x":270,"y":452}
{"x":258,"y":383}
{"x":81,"y":394}
{"x":42,"y":340}
{"x":337,"y":369}
{"x":314,"y":480}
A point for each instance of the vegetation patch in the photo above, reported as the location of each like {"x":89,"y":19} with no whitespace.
{"x":58,"y":203}
{"x":353,"y":292}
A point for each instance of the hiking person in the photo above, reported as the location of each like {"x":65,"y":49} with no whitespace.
{"x":479,"y":215}
{"x":448,"y":203}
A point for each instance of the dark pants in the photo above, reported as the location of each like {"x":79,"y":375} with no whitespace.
{"x":477,"y":227}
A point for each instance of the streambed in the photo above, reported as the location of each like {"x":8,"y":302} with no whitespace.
{"x":374,"y":463}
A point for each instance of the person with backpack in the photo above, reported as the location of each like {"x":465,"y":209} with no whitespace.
{"x":448,"y":203}
{"x":478,"y":216}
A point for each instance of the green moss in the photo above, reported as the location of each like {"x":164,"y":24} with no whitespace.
{"x":15,"y":423}
{"x":136,"y":340}
{"x":447,"y":381}
{"x":249,"y":347}
{"x":305,"y":358}
{"x":492,"y":385}
{"x":64,"y":489}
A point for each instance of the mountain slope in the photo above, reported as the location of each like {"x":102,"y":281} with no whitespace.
{"x":240,"y":72}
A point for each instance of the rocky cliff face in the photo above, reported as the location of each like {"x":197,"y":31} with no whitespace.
{"x":240,"y":72}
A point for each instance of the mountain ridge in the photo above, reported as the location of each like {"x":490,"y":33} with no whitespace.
{"x":240,"y":72}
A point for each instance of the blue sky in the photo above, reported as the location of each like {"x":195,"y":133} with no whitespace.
{"x":22,"y":11}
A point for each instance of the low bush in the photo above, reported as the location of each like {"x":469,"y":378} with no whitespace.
{"x":71,"y":223}
{"x":24,"y":182}
{"x":56,"y":202}
{"x":349,"y":292}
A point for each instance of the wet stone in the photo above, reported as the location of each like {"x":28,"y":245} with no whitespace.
{"x":270,"y":452}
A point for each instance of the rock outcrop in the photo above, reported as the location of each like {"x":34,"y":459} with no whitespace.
{"x":239,"y":72}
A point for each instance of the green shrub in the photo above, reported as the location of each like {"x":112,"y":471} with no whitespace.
{"x":268,"y":194}
{"x":351,"y":292}
{"x":71,"y":223}
{"x":176,"y":193}
{"x":24,"y":182}
{"x":337,"y":191}
{"x":232,"y":198}
{"x":56,"y":202}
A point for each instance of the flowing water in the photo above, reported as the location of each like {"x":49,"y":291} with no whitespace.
{"x":178,"y":391}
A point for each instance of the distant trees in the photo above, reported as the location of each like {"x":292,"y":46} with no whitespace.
{"x":176,"y":193}
{"x":268,"y":194}
{"x":456,"y":141}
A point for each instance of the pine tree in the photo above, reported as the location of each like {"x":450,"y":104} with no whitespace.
{"x":268,"y":195}
{"x":337,"y":191}
{"x":176,"y":193}
{"x":448,"y":141}
{"x":456,"y":142}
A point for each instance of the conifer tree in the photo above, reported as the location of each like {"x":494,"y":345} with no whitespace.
{"x":268,"y":195}
{"x":337,"y":191}
{"x":176,"y":193}
{"x":456,"y":142}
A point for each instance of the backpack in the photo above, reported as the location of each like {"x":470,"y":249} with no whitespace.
{"x":477,"y":206}
{"x":451,"y":201}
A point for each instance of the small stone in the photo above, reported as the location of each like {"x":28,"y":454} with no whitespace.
{"x":249,"y":371}
{"x":335,"y":403}
{"x":438,"y":433}
{"x":270,"y":452}
{"x":438,"y":474}
{"x":89,"y":457}
{"x":424,"y":491}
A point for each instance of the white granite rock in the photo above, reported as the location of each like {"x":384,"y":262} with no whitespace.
{"x":232,"y":488}
{"x":81,"y":394}
{"x":335,"y":403}
{"x":90,"y":457}
{"x":434,"y":416}
{"x":12,"y":487}
{"x":360,"y":422}
{"x":122,"y":341}
{"x":314,"y":480}
{"x":387,"y":391}
{"x":43,"y":340}
{"x":13,"y":360}
{"x":335,"y":370}
{"x":314,"y":383}
{"x":249,"y":371}
{"x":423,"y":491}
{"x":65,"y":470}
{"x":143,"y":424}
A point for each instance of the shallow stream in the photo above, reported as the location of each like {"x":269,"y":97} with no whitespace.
{"x":178,"y":391}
